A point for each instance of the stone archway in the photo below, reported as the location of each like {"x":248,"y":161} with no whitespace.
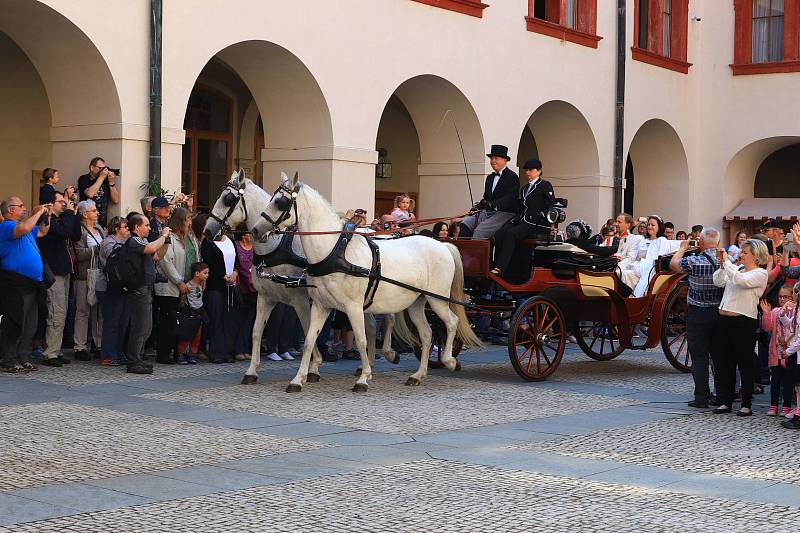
{"x":658,"y":164}
{"x":259,"y":79}
{"x":418,"y":131}
{"x":559,"y":135}
{"x":62,"y":102}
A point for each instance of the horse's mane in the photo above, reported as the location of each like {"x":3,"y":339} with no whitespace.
{"x":315,"y":194}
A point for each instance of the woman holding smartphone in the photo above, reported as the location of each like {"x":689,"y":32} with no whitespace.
{"x":743,"y":286}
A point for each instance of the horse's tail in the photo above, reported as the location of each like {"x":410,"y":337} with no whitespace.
{"x":403,"y":333}
{"x":464,"y":330}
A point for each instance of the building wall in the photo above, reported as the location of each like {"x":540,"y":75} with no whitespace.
{"x":321,"y":75}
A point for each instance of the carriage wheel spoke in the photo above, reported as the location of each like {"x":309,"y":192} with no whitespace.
{"x":549,"y":324}
{"x":680,"y":349}
{"x":603,"y":345}
{"x":677,"y":338}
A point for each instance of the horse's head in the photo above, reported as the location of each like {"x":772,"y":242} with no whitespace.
{"x":230,"y":209}
{"x":281,"y":211}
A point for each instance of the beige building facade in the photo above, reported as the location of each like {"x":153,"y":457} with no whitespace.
{"x":327,"y":88}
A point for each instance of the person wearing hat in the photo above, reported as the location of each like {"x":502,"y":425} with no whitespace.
{"x":500,"y":198}
{"x":535,"y":198}
{"x":161,"y":212}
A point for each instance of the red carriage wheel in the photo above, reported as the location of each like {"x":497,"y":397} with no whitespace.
{"x":536,"y":339}
{"x":598,"y":340}
{"x":673,"y":329}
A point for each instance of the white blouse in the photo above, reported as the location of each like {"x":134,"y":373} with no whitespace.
{"x":743,"y":289}
{"x":228,"y":253}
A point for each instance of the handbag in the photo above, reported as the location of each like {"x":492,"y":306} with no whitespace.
{"x":187,"y":323}
{"x":92,"y":273}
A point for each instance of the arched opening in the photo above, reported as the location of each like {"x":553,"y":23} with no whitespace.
{"x":254,"y":105}
{"x":657,"y":164}
{"x":778,"y":176}
{"x":559,"y":135}
{"x":761,"y":182}
{"x":418,"y":137}
{"x":46,"y":90}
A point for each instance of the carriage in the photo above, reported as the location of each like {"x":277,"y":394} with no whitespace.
{"x":562,"y":299}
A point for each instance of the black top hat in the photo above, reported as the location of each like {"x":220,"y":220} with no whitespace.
{"x":500,"y":151}
{"x":532,"y":164}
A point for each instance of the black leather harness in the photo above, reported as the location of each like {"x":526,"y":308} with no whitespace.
{"x":336,"y":262}
{"x":282,"y":255}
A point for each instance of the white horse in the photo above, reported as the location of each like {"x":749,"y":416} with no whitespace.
{"x":419,"y":262}
{"x":242,"y":201}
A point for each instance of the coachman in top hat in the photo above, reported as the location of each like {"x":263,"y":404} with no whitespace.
{"x":500,"y":198}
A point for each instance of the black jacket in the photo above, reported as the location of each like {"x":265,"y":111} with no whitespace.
{"x":534,"y":202}
{"x":602,"y":251}
{"x":212,"y":256}
{"x":506,"y":194}
{"x":56,"y":245}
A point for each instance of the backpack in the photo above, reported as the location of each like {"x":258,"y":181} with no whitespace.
{"x":124,"y":269}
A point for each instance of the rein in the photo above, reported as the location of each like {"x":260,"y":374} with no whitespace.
{"x":415,"y":224}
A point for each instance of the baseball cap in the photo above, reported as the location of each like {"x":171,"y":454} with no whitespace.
{"x":160,"y":201}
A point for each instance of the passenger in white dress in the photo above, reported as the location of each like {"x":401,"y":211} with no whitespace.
{"x":640,"y":272}
{"x":628,"y":246}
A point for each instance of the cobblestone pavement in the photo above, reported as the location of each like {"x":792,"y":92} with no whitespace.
{"x":57,"y":442}
{"x":750,"y":448}
{"x":436,"y":496}
{"x":392,"y":407}
{"x":606,"y":446}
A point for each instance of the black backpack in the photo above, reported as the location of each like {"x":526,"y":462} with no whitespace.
{"x":124,"y":269}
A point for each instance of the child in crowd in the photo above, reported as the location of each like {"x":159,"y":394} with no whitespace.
{"x":187,"y":350}
{"x":403,"y":209}
{"x":789,"y":319}
{"x":774,"y":322}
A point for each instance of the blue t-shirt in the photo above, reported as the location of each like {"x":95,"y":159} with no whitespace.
{"x":20,"y":255}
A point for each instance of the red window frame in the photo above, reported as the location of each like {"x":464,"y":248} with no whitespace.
{"x":678,"y":38}
{"x":554,"y":24}
{"x":473,"y":8}
{"x":743,"y":40}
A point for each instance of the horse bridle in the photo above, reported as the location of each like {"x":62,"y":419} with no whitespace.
{"x":231,"y":198}
{"x":286,"y":201}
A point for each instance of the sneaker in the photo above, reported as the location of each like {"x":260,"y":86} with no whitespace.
{"x":140,"y":369}
{"x":274,"y":357}
{"x":192,"y":360}
{"x":52,"y":361}
{"x":82,"y":355}
{"x":792,"y":413}
{"x":794,"y":423}
{"x":784,"y":411}
{"x":105,"y":362}
{"x":37,"y":353}
{"x":182,"y":360}
{"x":286,"y":356}
{"x":773,"y":411}
{"x":29,"y":367}
{"x":351,"y":355}
{"x":115,"y":362}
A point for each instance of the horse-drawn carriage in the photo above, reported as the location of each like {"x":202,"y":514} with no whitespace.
{"x":561,"y":299}
{"x":561,"y":296}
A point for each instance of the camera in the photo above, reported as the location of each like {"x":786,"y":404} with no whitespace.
{"x":387,"y":225}
{"x":557,"y":213}
{"x":116,"y":171}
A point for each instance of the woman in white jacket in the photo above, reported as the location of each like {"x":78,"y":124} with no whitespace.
{"x":637,"y":273}
{"x":744,"y":284}
{"x":168,"y":295}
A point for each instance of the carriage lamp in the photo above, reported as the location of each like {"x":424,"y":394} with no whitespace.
{"x":384,"y":167}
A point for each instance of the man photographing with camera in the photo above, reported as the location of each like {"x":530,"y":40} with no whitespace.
{"x":100,"y":186}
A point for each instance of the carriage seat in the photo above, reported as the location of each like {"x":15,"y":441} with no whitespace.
{"x":593,"y":284}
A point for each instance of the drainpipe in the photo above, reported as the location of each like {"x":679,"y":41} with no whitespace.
{"x":154,"y":161}
{"x":619,"y":129}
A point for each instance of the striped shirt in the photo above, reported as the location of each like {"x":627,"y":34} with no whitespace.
{"x":702,"y":291}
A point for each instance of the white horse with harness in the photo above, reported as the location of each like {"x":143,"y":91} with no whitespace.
{"x":277,"y":258}
{"x":352,"y":273}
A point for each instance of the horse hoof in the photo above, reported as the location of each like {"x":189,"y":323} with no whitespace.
{"x":249,"y":380}
{"x":358,"y":372}
{"x":412,"y":382}
{"x":312,"y":378}
{"x":458,"y":366}
{"x":360,"y":387}
{"x":293,"y":387}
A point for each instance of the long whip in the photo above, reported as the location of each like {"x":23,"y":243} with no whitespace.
{"x":463,"y":155}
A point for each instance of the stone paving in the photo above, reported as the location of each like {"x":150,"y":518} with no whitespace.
{"x":436,"y":496}
{"x":392,"y":407}
{"x":601,"y":446}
